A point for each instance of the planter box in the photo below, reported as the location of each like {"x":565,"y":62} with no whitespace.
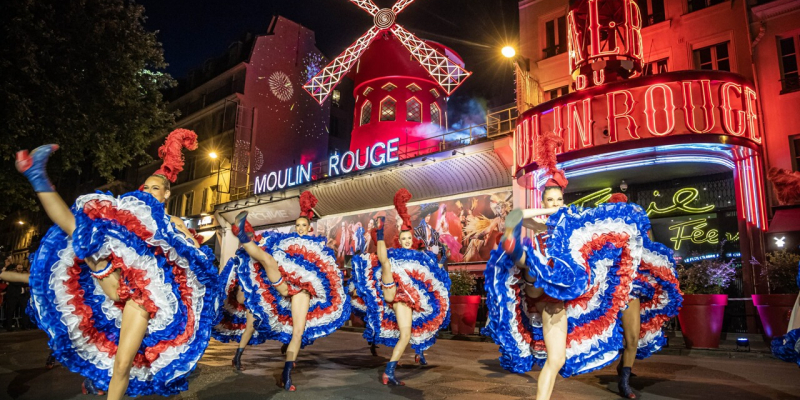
{"x":701,"y":319}
{"x":463,"y":313}
{"x":774,"y":310}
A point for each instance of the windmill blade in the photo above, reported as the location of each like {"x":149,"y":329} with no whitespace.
{"x":367,"y":5}
{"x":321,"y":85}
{"x":448,"y":74}
{"x":400,"y":6}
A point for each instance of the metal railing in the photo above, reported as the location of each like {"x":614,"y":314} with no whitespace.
{"x":498,"y":124}
{"x":790,"y":83}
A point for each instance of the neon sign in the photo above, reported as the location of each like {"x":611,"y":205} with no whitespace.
{"x":375,"y":155}
{"x":692,"y":230}
{"x":711,"y":102}
{"x":680,"y":202}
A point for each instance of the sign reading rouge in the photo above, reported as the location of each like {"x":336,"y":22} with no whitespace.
{"x":677,"y":103}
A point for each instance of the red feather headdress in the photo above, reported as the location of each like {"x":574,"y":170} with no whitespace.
{"x":786,"y":184}
{"x":546,"y":159}
{"x":307,"y":204}
{"x":400,"y":199}
{"x":618,"y":198}
{"x":171,"y":152}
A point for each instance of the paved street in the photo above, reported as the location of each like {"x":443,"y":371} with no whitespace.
{"x":341,"y":367}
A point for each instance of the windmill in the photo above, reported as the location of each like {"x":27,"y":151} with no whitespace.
{"x":447,"y":73}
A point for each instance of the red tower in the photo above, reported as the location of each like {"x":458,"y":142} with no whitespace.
{"x":398,"y":95}
{"x":605,"y":41}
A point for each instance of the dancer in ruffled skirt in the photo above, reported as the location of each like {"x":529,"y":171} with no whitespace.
{"x":787,"y":347}
{"x":553,"y":301}
{"x":292,"y":283}
{"x":121,"y":288}
{"x":405,"y":290}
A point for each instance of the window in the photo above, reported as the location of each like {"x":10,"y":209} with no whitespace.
{"x":367,"y":91}
{"x":697,"y":5}
{"x":435,"y":93}
{"x":334,"y":131}
{"x":557,"y":92}
{"x":414,"y":88}
{"x":794,"y":141}
{"x":172,"y":205}
{"x":555,"y":36}
{"x":436,"y":115}
{"x":388,"y":106}
{"x":209,"y":199}
{"x":652,"y":11}
{"x":389,"y":87}
{"x":714,"y":57}
{"x":413,"y":110}
{"x":789,"y":60}
{"x":655,"y":67}
{"x":337,"y":95}
{"x":366,"y":110}
{"x":188,"y":200}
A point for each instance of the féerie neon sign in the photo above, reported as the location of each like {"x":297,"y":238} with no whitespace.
{"x":681,"y":201}
{"x":669,"y":104}
{"x":375,"y":155}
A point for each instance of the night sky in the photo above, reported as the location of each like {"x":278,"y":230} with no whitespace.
{"x":192,"y":31}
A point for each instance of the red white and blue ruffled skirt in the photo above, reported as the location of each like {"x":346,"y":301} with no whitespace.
{"x":589,"y":262}
{"x":172,"y":280}
{"x":306,"y":263}
{"x":357,"y":305}
{"x":421,"y":284}
{"x":232,"y":315}
{"x":660,"y":297}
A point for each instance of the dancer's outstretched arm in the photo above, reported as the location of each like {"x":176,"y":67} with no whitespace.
{"x":13,"y":276}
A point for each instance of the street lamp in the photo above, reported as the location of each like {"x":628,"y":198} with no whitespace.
{"x":527,"y":87}
{"x":21,"y":222}
{"x":508,"y":52}
{"x":213,"y":155}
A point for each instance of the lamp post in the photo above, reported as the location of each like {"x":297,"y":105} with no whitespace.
{"x":214,"y":156}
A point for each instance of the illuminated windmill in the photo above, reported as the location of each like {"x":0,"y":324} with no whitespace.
{"x":397,"y":95}
{"x":447,"y":73}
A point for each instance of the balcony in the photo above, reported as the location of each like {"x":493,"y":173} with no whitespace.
{"x":554,"y":50}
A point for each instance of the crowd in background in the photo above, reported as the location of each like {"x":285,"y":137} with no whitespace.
{"x":13,"y":300}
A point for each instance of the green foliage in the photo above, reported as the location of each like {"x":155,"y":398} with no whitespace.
{"x":781,"y":272}
{"x":706,"y":277}
{"x":462,"y":283}
{"x":82,"y":74}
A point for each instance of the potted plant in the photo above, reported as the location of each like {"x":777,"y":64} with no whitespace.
{"x":775,"y":307}
{"x":703,"y":302}
{"x":463,"y":305}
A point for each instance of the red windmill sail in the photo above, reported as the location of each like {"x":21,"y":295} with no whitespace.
{"x":442,"y":69}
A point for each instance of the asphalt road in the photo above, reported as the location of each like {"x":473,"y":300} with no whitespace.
{"x":341,"y":367}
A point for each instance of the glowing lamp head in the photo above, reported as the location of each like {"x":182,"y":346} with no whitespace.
{"x":213,"y":155}
{"x":508,"y":52}
{"x":21,"y":222}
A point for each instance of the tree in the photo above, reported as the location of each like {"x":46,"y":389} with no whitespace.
{"x":84,"y":74}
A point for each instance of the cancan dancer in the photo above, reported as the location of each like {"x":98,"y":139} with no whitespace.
{"x":292,"y":283}
{"x":123,"y":290}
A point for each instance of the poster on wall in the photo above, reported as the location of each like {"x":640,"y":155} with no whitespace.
{"x":468,"y":227}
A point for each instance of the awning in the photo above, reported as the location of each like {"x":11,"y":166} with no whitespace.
{"x":785,"y":220}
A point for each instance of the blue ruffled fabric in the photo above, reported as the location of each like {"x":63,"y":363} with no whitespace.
{"x":646,"y":292}
{"x":271,"y":243}
{"x":562,"y":281}
{"x":502,"y":289}
{"x":377,"y":313}
{"x":787,"y":347}
{"x":223,"y":315}
{"x":351,"y":286}
{"x":87,"y":239}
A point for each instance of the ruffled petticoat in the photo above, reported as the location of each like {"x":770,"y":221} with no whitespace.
{"x":306,"y":263}
{"x":787,"y":347}
{"x":357,"y":305}
{"x":589,"y":261}
{"x":421,"y":284}
{"x":173,"y":281}
{"x":232,"y":316}
{"x":660,"y":297}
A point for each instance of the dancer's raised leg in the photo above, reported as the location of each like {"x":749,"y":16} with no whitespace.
{"x":132,"y":331}
{"x":259,"y":255}
{"x":554,"y":328}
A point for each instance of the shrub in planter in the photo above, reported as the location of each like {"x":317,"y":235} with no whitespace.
{"x":463,"y":305}
{"x":775,"y":307}
{"x":703,"y":301}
